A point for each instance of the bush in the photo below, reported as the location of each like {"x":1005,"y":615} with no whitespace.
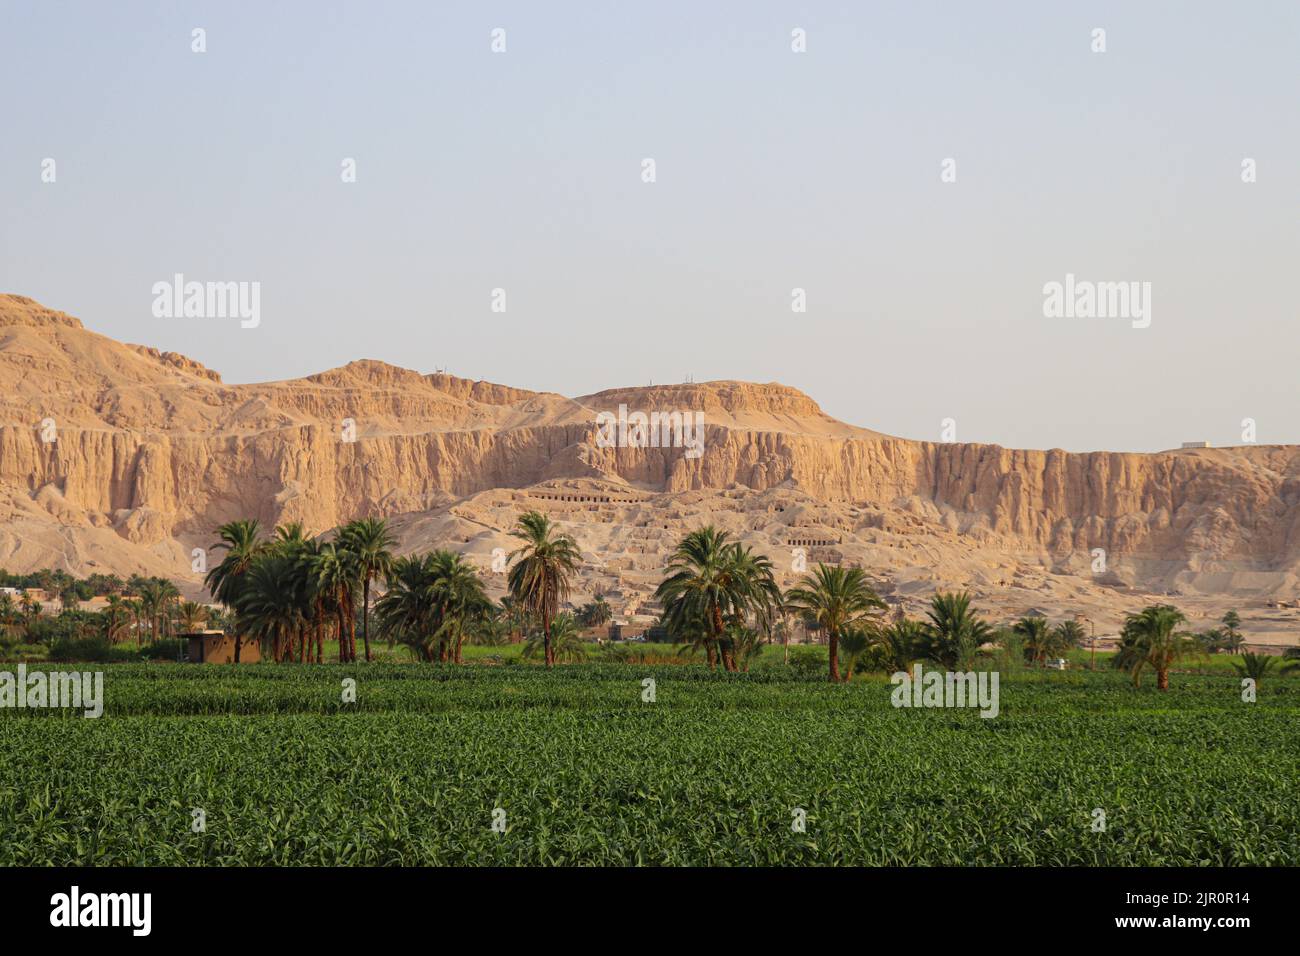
{"x":170,"y":649}
{"x":95,"y":650}
{"x":808,"y":662}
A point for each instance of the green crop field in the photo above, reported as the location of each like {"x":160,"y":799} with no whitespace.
{"x":586,"y":772}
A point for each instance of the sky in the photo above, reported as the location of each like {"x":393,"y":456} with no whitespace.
{"x":774,"y":170}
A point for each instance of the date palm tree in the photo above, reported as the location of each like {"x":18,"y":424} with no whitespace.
{"x":10,"y":618}
{"x":317,"y":603}
{"x":1254,"y":666}
{"x":1151,"y":638}
{"x":954,"y":632}
{"x":540,"y":579}
{"x":902,"y":641}
{"x":839,"y":599}
{"x":459,"y":598}
{"x":855,"y":643}
{"x":596,"y":613}
{"x":268,"y":605}
{"x":1232,"y":639}
{"x":1038,"y":637}
{"x":405,"y":613}
{"x":335,"y":573}
{"x":191,"y":615}
{"x":240,"y":541}
{"x":1069,"y":635}
{"x":372,"y":543}
{"x":709,"y":580}
{"x":562,"y":644}
{"x":117,"y":619}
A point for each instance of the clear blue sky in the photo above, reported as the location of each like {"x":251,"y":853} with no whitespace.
{"x":775,"y":170}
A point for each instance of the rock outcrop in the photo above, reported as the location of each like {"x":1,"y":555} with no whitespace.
{"x":123,"y":458}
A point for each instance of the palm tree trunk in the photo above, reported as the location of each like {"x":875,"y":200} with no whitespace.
{"x":713,"y":655}
{"x":834,"y":639}
{"x":239,"y":644}
{"x":1162,"y":679}
{"x":352,"y":629}
{"x":546,"y":637}
{"x":365,"y":617}
{"x":717,"y":636}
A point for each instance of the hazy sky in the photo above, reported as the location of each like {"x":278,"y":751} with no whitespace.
{"x":775,"y":170}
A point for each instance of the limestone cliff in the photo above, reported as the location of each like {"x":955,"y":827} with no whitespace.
{"x":116,"y":457}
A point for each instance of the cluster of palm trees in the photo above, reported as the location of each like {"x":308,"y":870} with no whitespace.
{"x":290,"y":590}
{"x":150,"y":609}
{"x":719,"y":594}
{"x":1043,"y":641}
{"x":1227,"y":638}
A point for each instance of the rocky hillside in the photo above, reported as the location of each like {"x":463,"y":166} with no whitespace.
{"x":119,"y":457}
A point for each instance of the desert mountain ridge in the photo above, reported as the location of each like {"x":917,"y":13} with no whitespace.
{"x":121,"y":458}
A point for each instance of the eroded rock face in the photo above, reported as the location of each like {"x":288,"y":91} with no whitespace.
{"x":150,"y":452}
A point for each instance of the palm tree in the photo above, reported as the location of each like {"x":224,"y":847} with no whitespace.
{"x":1232,"y":638}
{"x":1150,"y":639}
{"x":1255,"y":666}
{"x":335,"y":572}
{"x":710,"y":579}
{"x":1038,"y":637}
{"x":10,"y":618}
{"x":267,"y":603}
{"x":433,"y":601}
{"x":239,"y":539}
{"x":153,"y":600}
{"x":855,"y":643}
{"x":30,"y":607}
{"x":1070,"y":634}
{"x":838,"y":599}
{"x":1210,"y":641}
{"x":191,"y":615}
{"x":459,"y":598}
{"x":540,"y":580}
{"x":370,"y":540}
{"x":135,"y":607}
{"x":902,"y":642}
{"x":405,"y":613}
{"x":563,"y":644}
{"x":169,"y":600}
{"x":516,"y":617}
{"x":595,"y":613}
{"x":743,"y":642}
{"x":294,"y":545}
{"x":315,"y":601}
{"x":954,"y":632}
{"x":117,"y":619}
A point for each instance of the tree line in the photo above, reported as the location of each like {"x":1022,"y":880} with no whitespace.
{"x":292,"y":592}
